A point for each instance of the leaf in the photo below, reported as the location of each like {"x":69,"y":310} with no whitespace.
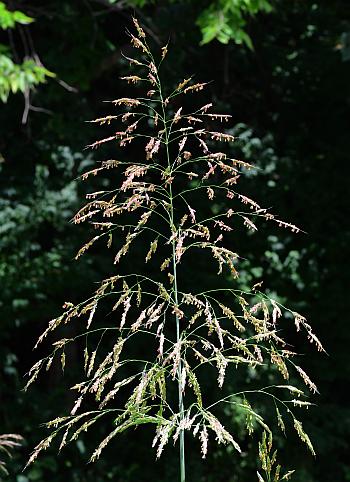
{"x":22,"y":18}
{"x":19,"y":77}
{"x":8,"y":18}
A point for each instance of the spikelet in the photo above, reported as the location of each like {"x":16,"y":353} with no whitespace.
{"x":249,"y":224}
{"x":301,"y":321}
{"x":91,"y":363}
{"x":133,"y":61}
{"x":95,"y":456}
{"x":112,"y":393}
{"x":276,"y":313}
{"x":33,"y":373}
{"x":221,"y":364}
{"x":152,"y":147}
{"x":125,"y":248}
{"x":127,"y":306}
{"x":182,"y":84}
{"x":210,"y":193}
{"x":220,"y":117}
{"x":177,"y":115}
{"x":164,"y":51}
{"x":204,"y":441}
{"x":94,"y":145}
{"x":138,"y":44}
{"x":86,"y":247}
{"x":205,"y":107}
{"x":203,"y":146}
{"x":195,"y":87}
{"x":104,"y":120}
{"x":43,"y":445}
{"x":304,"y":437}
{"x":164,"y":434}
{"x":165,"y":264}
{"x":197,"y":315}
{"x":140,"y":31}
{"x":182,"y":143}
{"x":222,"y":435}
{"x":126,"y":101}
{"x":246,"y":200}
{"x":152,"y":79}
{"x":308,"y":382}
{"x":131,"y":79}
{"x":190,"y":119}
{"x":194,"y":384}
{"x":138,"y":323}
{"x":229,"y":313}
{"x":277,"y":360}
{"x":110,"y":164}
{"x":152,"y":250}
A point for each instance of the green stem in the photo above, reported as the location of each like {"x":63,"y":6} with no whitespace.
{"x":178,"y":334}
{"x":178,"y":331}
{"x":181,"y":401}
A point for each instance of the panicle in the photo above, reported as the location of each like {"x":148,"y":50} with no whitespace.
{"x":217,"y":328}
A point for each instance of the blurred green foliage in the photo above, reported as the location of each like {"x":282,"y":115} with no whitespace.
{"x":289,"y":98}
{"x":225,"y":20}
{"x":19,"y":77}
{"x":8,"y":19}
{"x":14,"y":76}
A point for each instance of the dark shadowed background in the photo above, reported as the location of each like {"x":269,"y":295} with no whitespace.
{"x":282,"y":70}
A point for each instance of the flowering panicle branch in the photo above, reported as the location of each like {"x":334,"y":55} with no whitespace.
{"x":8,"y":442}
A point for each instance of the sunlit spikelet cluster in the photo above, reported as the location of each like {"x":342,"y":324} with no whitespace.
{"x":268,"y":458}
{"x":155,"y":208}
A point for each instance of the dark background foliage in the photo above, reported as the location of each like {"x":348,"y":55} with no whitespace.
{"x":289,"y":97}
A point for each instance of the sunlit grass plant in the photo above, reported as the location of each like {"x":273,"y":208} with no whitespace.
{"x":162,"y":205}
